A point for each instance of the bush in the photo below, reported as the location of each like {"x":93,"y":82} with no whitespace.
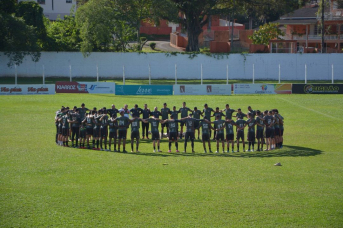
{"x":152,"y":45}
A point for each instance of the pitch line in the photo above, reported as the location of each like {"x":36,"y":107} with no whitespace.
{"x":310,"y":109}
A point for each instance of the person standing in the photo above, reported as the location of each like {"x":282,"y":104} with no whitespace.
{"x":104,"y":129}
{"x":184,"y":113}
{"x":113,"y":126}
{"x":75,"y":125}
{"x":228,"y":112}
{"x":207,"y":113}
{"x":136,"y":112}
{"x":219,"y":126}
{"x":251,"y":122}
{"x":173,"y":132}
{"x":259,"y":130}
{"x":82,"y":111}
{"x":217,"y":116}
{"x":205,"y":137}
{"x":135,"y":132}
{"x":190,"y":130}
{"x":155,"y":134}
{"x":229,"y":123}
{"x":196,"y":115}
{"x":123,"y":124}
{"x":145,"y":126}
{"x":164,"y":112}
{"x":240,"y":124}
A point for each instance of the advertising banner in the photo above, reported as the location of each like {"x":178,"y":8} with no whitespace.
{"x":85,"y":87}
{"x":262,"y":88}
{"x":26,"y":89}
{"x":317,"y":88}
{"x":144,"y":90}
{"x":224,"y":89}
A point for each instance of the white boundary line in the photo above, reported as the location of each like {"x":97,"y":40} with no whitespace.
{"x":310,"y":109}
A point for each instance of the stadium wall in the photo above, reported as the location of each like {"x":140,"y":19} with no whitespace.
{"x":319,"y":66}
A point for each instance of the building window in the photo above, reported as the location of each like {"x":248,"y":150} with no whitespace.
{"x":69,"y":1}
{"x":41,"y":1}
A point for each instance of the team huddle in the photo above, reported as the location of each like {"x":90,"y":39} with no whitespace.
{"x":105,"y":126}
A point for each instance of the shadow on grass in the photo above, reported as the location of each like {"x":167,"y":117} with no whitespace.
{"x":286,"y":151}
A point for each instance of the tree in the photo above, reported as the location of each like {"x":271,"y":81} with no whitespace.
{"x":266,"y":33}
{"x":63,"y":35}
{"x":197,"y":14}
{"x":17,"y":38}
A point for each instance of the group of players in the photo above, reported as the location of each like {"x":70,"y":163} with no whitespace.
{"x":80,"y":125}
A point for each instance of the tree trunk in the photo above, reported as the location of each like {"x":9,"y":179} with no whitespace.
{"x":193,"y":30}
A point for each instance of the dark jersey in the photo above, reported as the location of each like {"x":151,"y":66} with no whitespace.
{"x":123,"y":123}
{"x":154,"y":124}
{"x":136,"y":112}
{"x":82,"y":112}
{"x":146,"y":113}
{"x":65,"y":123}
{"x":240,"y":123}
{"x":155,"y":114}
{"x":228,"y":113}
{"x":196,"y":114}
{"x":218,"y":124}
{"x":104,"y":121}
{"x":164,"y":113}
{"x":76,"y":119}
{"x":205,"y":127}
{"x":173,"y":126}
{"x":175,"y":114}
{"x":269,"y":120}
{"x":240,"y":115}
{"x":89,"y":122}
{"x":96,"y":121}
{"x":135,"y":125}
{"x":253,"y":112}
{"x":112,"y":126}
{"x":260,"y":121}
{"x":220,"y":114}
{"x":112,"y":112}
{"x":184,"y":111}
{"x":251,"y":123}
{"x":190,"y":124}
{"x":229,"y":127}
{"x":207,"y":112}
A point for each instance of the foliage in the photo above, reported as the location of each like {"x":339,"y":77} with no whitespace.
{"x":33,"y":15}
{"x":266,"y":33}
{"x":197,"y":15}
{"x":152,"y":45}
{"x":18,"y":39}
{"x":63,"y":35}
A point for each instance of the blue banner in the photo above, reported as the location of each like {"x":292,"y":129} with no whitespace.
{"x":144,"y":90}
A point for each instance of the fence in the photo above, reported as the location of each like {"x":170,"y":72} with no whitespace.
{"x":166,"y":66}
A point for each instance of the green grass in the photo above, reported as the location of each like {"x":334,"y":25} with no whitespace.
{"x":52,"y":80}
{"x":44,"y":185}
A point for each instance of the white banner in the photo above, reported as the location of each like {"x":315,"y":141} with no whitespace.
{"x":262,"y":88}
{"x":224,"y":89}
{"x":85,"y":87}
{"x":26,"y":89}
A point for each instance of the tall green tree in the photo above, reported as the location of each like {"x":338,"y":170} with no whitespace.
{"x":17,"y":39}
{"x":63,"y":35}
{"x":196,"y":14}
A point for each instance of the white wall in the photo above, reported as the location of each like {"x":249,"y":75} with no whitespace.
{"x":163,"y":66}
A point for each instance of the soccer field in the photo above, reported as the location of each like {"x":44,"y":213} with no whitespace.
{"x":45,"y":185}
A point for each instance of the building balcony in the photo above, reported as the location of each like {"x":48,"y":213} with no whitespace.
{"x":314,"y":37}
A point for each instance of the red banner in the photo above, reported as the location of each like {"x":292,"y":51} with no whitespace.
{"x":70,"y":87}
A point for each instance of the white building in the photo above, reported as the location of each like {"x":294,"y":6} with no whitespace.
{"x":53,"y":9}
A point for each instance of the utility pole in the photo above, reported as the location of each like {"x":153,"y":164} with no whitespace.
{"x":323,"y":27}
